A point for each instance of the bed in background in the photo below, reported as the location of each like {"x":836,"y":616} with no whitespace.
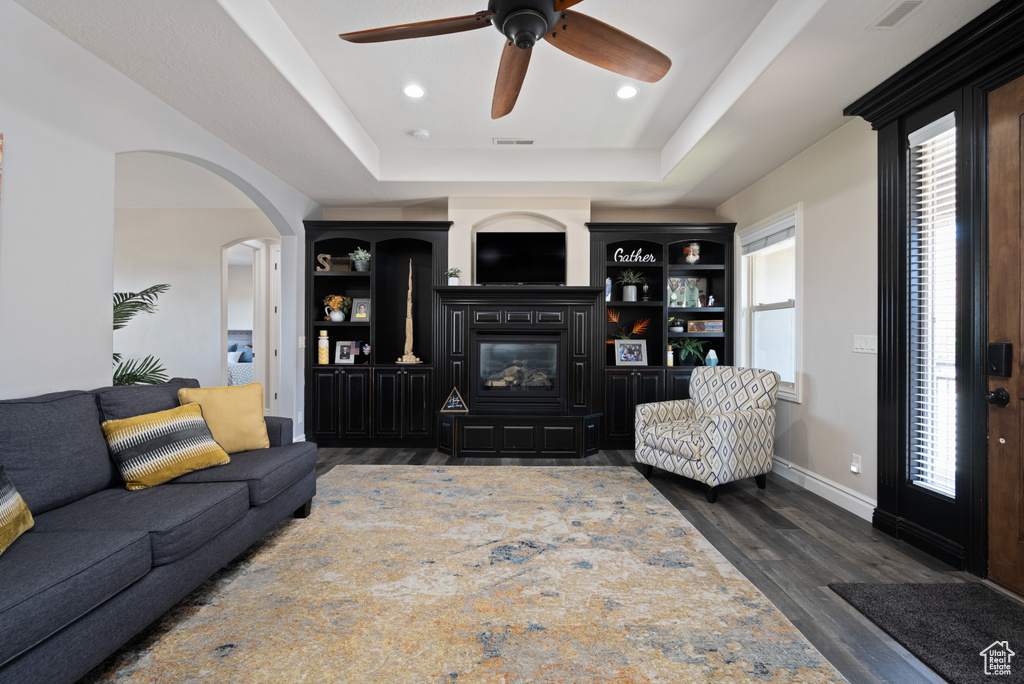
{"x":239,"y":357}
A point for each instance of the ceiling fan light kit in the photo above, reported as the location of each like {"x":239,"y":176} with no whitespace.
{"x":524,"y":23}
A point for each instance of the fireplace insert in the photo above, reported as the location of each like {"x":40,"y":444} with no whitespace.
{"x":519,"y":371}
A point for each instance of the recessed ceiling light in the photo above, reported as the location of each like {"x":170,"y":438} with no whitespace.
{"x":626,"y":92}
{"x":414,"y":91}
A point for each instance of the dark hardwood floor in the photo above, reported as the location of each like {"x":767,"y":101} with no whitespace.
{"x":789,"y":542}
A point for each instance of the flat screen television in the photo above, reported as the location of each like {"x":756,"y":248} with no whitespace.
{"x":520,"y":258}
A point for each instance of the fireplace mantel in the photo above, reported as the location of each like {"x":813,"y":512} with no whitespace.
{"x":520,"y":427}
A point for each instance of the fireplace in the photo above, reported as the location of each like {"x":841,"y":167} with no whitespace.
{"x":525,"y":361}
{"x":515,"y":371}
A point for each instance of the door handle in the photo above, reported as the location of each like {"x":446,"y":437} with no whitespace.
{"x":998,"y":397}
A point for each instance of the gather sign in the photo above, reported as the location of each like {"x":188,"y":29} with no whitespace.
{"x":637,"y":255}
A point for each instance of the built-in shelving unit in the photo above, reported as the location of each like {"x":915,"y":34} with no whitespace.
{"x":688,"y":271}
{"x":371,"y":397}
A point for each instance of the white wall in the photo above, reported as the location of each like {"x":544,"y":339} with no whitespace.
{"x":65,"y":114}
{"x":180,"y":247}
{"x":836,"y":180}
{"x":240,"y":297}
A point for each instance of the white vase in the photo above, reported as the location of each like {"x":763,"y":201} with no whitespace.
{"x":629,"y":293}
{"x":453,"y":281}
{"x":336,"y":316}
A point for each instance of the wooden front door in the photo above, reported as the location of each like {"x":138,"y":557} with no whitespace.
{"x":1006,"y":324}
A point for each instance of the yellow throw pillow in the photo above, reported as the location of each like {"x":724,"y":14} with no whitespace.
{"x":234,"y":414}
{"x":15,"y":518}
{"x":157,"y":447}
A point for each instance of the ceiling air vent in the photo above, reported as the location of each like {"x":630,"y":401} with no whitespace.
{"x":511,"y":141}
{"x":895,"y":15}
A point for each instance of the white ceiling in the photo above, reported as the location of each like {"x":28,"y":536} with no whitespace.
{"x":753,"y":83}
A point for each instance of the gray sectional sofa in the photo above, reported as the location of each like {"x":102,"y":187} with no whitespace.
{"x":103,"y":562}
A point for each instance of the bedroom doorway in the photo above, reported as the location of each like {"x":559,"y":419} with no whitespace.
{"x":250,"y":306}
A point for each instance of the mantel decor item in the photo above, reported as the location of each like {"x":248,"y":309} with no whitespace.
{"x":452,"y":274}
{"x":409,"y":357}
{"x":454,"y":403}
{"x":361,"y":258}
{"x":323,"y":350}
{"x":691,"y":253}
{"x":630,"y":352}
{"x":345,"y":352}
{"x":705,"y":326}
{"x":361,"y":310}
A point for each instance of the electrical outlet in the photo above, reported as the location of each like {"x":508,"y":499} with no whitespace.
{"x":855,"y":464}
{"x":302,"y":341}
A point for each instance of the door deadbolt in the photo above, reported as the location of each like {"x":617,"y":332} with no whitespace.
{"x":998,"y":397}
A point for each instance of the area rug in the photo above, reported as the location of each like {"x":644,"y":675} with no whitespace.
{"x":479,"y":574}
{"x":962,"y":631}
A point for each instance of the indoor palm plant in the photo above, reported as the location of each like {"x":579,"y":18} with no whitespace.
{"x":127,"y":305}
{"x":691,"y":350}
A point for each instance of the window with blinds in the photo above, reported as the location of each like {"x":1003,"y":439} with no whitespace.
{"x":931,"y":269}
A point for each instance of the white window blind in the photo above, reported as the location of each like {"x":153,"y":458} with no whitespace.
{"x":931,"y":263}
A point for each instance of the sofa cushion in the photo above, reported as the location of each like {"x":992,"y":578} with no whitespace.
{"x":179,"y":519}
{"x":156,"y":447}
{"x":265,"y":471}
{"x":50,"y":579}
{"x":53,"y":449}
{"x":15,"y":518}
{"x":134,"y":400}
{"x":234,"y":414}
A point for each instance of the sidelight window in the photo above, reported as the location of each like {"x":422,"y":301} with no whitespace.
{"x":931,"y":270}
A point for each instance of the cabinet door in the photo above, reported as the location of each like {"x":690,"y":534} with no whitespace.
{"x":678,"y":384}
{"x":650,"y":387}
{"x":418,"y":388}
{"x":326,"y":403}
{"x":619,"y":400}
{"x":355,"y":402}
{"x":387,"y":402}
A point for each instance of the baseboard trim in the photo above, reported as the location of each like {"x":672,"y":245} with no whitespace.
{"x":299,"y":438}
{"x":833,"y":492}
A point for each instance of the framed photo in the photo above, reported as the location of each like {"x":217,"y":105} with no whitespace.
{"x":345,"y":352}
{"x":361,"y":310}
{"x":687,"y":293}
{"x":630,"y":352}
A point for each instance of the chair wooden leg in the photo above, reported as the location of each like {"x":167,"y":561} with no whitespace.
{"x":761,"y":480}
{"x":648,"y":471}
{"x":712,"y":495}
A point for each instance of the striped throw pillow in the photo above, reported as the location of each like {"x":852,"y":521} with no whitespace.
{"x":15,"y":518}
{"x":157,"y":447}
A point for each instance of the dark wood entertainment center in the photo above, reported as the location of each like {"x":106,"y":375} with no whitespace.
{"x":578,"y":402}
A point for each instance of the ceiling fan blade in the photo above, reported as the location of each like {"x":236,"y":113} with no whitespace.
{"x":511,"y":72}
{"x":437,"y":27}
{"x":607,"y":47}
{"x":565,"y":4}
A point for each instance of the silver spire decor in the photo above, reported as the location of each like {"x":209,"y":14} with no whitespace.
{"x":409,"y":357}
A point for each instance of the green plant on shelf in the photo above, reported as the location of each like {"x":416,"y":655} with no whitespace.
{"x":360,"y":254}
{"x":453,"y":272}
{"x":690,"y":347}
{"x":630,"y":277}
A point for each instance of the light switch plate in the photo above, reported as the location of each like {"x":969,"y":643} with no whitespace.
{"x":865,"y":344}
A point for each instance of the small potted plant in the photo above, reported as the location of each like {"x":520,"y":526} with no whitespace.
{"x":453,"y":274}
{"x":675,"y":325}
{"x":337,"y":307}
{"x":360,"y":259}
{"x":691,"y":351}
{"x":629,"y":279}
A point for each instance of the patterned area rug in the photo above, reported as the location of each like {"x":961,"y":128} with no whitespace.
{"x":482,"y":574}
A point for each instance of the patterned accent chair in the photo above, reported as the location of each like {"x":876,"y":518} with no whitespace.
{"x":724,"y":432}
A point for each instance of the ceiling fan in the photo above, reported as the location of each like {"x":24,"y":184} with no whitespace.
{"x":526,"y":22}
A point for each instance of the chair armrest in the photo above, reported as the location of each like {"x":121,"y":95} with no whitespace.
{"x":279,"y":430}
{"x":730,"y":430}
{"x":663,"y":412}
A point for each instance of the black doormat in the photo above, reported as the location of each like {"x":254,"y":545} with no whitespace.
{"x":965,"y":632}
